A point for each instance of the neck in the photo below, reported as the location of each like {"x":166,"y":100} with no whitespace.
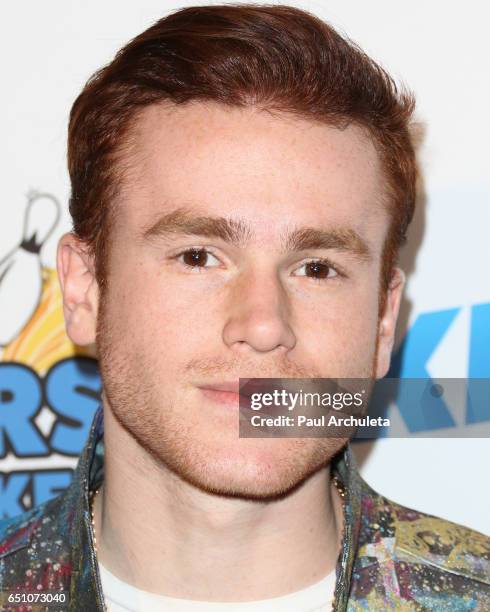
{"x":163,"y":535}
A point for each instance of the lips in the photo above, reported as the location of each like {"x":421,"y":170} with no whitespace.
{"x":228,"y":399}
{"x":229,"y":393}
{"x":231,"y":386}
{"x":237,"y":393}
{"x":243,"y":386}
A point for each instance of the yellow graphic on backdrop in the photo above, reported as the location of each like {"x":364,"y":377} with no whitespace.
{"x":32,"y":327}
{"x":43,"y":341}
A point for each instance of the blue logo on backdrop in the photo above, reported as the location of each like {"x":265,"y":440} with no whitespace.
{"x":410,"y":362}
{"x":71,"y":389}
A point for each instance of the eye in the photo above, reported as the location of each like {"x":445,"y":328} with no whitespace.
{"x":196,"y":258}
{"x":319,"y":270}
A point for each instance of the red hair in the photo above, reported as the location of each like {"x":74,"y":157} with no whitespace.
{"x":278,"y":58}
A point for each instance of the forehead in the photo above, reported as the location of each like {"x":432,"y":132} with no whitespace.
{"x":268,"y":169}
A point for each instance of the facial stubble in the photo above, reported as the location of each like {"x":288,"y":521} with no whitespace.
{"x":165,"y":433}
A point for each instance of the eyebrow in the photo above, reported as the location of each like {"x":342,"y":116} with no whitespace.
{"x":184,"y":222}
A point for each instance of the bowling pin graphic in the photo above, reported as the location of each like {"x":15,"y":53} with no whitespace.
{"x":21,"y":271}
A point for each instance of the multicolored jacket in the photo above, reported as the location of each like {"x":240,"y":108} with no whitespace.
{"x":392,"y":558}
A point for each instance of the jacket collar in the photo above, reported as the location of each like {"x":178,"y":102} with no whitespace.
{"x":85,"y":584}
{"x":86,"y":588}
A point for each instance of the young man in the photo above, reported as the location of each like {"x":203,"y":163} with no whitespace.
{"x":242,"y":179}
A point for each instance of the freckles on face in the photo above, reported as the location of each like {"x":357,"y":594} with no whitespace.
{"x":273,"y":175}
{"x":174,"y":317}
{"x":245,"y":245}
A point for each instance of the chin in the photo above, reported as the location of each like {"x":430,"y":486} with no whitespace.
{"x":262,"y":469}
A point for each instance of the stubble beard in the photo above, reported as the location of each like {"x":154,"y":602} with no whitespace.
{"x":161,"y":429}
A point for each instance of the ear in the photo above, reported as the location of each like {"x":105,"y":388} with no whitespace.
{"x":76,"y":274}
{"x":387,"y":322}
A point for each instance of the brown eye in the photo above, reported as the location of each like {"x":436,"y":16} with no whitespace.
{"x":197,"y":258}
{"x":318,"y":270}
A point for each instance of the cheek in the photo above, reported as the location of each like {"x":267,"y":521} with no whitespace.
{"x":154,"y":314}
{"x":345,"y":327}
{"x":160,"y":317}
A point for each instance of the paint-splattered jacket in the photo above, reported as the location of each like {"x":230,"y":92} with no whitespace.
{"x":392,"y":558}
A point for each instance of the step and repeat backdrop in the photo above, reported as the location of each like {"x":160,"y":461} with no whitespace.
{"x":49,"y":389}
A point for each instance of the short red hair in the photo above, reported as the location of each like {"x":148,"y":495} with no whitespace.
{"x":274,"y":57}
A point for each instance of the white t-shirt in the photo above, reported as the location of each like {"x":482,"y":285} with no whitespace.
{"x":122,"y":597}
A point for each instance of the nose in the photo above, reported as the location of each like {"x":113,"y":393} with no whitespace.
{"x":258,"y":314}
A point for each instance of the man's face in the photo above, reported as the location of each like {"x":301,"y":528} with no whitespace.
{"x":244,"y":245}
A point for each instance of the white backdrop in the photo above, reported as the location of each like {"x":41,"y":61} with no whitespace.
{"x":439,"y":49}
